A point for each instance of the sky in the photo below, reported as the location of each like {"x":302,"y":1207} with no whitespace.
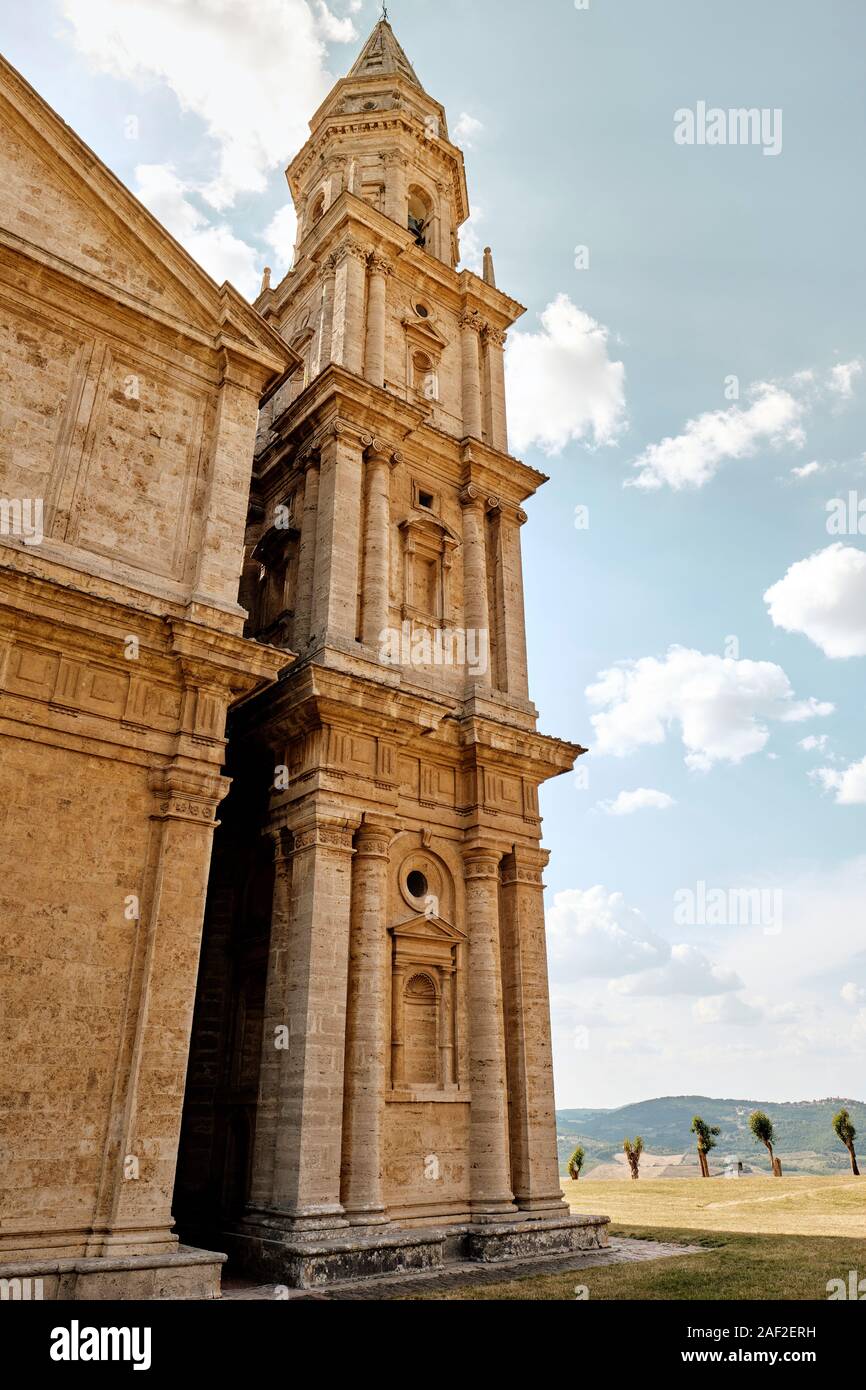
{"x":691,"y":374}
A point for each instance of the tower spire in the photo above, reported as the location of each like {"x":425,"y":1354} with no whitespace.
{"x":383,"y":54}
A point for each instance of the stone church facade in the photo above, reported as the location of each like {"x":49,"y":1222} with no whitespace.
{"x":273,"y":568}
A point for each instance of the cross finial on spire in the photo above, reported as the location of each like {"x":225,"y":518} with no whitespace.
{"x":384,"y":10}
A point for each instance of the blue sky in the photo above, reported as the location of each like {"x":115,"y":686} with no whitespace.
{"x":705,"y":263}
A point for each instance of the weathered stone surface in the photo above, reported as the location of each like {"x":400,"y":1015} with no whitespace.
{"x":130,"y":389}
{"x":370,"y":1082}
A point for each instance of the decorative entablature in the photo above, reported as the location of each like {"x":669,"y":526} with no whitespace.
{"x":507,"y":481}
{"x":123,"y":677}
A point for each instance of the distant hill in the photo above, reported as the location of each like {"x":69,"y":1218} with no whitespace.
{"x":804,"y":1133}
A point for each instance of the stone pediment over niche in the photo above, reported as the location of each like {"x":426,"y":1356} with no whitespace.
{"x":425,"y":333}
{"x":435,"y":929}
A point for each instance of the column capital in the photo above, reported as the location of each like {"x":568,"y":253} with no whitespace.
{"x":311,"y":457}
{"x":325,"y":832}
{"x":525,"y":864}
{"x":378,"y":451}
{"x":474,"y":496}
{"x":496,"y":337}
{"x":481,"y":861}
{"x":348,"y":250}
{"x":379,"y":264}
{"x":373,"y":840}
{"x":187,"y":796}
{"x":471,"y":320}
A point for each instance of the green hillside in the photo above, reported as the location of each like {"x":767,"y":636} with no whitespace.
{"x":805,"y":1139}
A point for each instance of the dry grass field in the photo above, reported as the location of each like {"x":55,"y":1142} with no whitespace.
{"x":801,"y":1206}
{"x":760,"y":1239}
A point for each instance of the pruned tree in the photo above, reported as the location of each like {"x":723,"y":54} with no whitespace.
{"x":575,"y":1163}
{"x":847,"y":1133}
{"x":633,"y":1151}
{"x":762,"y":1127}
{"x":707,"y":1135}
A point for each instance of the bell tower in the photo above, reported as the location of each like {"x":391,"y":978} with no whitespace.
{"x":396,"y":766}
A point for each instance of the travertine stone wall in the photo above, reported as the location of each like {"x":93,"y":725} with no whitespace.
{"x":131,"y":385}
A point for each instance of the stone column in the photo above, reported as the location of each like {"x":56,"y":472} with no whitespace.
{"x":489,"y":1162}
{"x":396,"y":194}
{"x":347,"y":340}
{"x":326,"y":317}
{"x":132,"y":1212}
{"x":366,"y":1030}
{"x":398,"y":1027}
{"x":376,"y":591}
{"x":307,"y":1148}
{"x":510,"y":615}
{"x":307,"y":550}
{"x":494,"y":348}
{"x":374,"y":357}
{"x":334,"y":611}
{"x":470,"y":326}
{"x":446,"y":1027}
{"x":476,"y":609}
{"x":273,"y":1052}
{"x":220,"y":554}
{"x":534,"y":1161}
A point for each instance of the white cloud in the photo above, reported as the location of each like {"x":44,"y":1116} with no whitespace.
{"x":563,"y":386}
{"x":688,"y":971}
{"x":280,"y":234}
{"x":843,"y":376}
{"x":640,"y":800}
{"x":723,"y":707}
{"x":814,"y":743}
{"x":849,"y":786}
{"x":824,"y":598}
{"x":332,"y":28}
{"x":725,"y":1008}
{"x":471,"y":245}
{"x":852,"y":994}
{"x":251,"y":73}
{"x":692,"y":458}
{"x":466,"y":130}
{"x":809,"y":470}
{"x":217,"y":250}
{"x":594,"y":932}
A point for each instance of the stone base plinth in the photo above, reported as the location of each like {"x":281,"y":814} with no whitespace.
{"x":310,"y":1261}
{"x":183,"y":1273}
{"x":314,"y":1261}
{"x":515,"y":1240}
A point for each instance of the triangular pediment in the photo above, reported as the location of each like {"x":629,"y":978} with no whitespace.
{"x":425,"y":332}
{"x":61,"y":204}
{"x":431,"y":928}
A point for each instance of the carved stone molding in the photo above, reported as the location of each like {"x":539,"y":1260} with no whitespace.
{"x":481,"y":863}
{"x":496,"y":337}
{"x":324,"y":834}
{"x":378,"y":451}
{"x":183,"y":796}
{"x":351,"y":248}
{"x":373,"y":842}
{"x":471,"y":319}
{"x":379,"y":265}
